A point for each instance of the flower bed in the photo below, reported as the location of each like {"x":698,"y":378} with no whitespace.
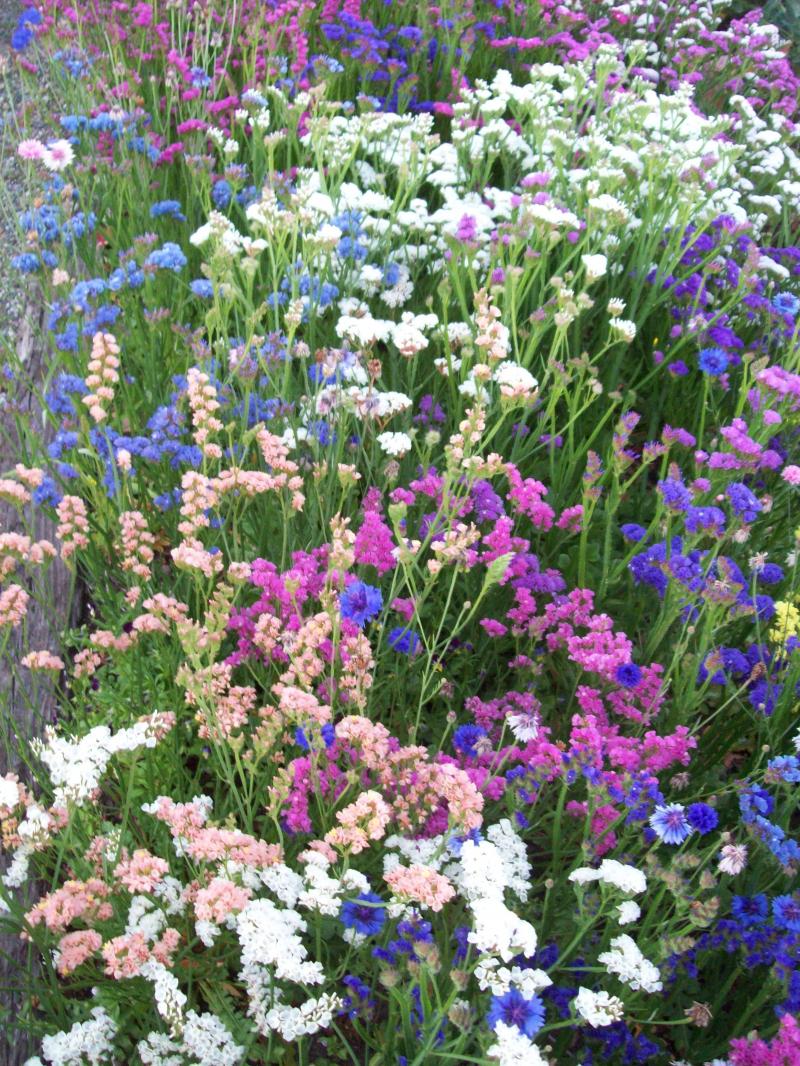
{"x":423,"y":398}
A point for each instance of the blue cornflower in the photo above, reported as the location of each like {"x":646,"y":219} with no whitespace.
{"x":403,"y":640}
{"x":366,"y":914}
{"x":466,"y":737}
{"x":702,"y":817}
{"x":786,"y":913}
{"x":743,"y":502}
{"x":749,"y":910}
{"x":514,"y":1009}
{"x":670,"y":823}
{"x":713,"y":361}
{"x":786,"y":303}
{"x":359,"y":602}
{"x":202,"y":288}
{"x":785,"y":767}
{"x":628,"y":675}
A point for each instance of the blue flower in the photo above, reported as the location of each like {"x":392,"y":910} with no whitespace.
{"x":403,"y":640}
{"x":670,"y":823}
{"x":702,"y":817}
{"x":743,"y":502}
{"x":202,"y":288}
{"x":466,"y":737}
{"x":366,"y":915}
{"x":628,"y":675}
{"x":786,"y":303}
{"x":168,"y":257}
{"x":221,"y":194}
{"x":749,"y":910}
{"x":713,"y":361}
{"x":359,"y":602}
{"x":167,"y":207}
{"x":786,"y":912}
{"x":514,"y":1009}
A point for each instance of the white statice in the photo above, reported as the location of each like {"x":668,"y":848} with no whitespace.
{"x":364,"y":330}
{"x":9,"y":793}
{"x":283,"y":882}
{"x":515,"y":382}
{"x":629,"y":964}
{"x":292,"y":1023}
{"x":621,"y":875}
{"x":493,"y":977}
{"x":394,"y":444}
{"x":628,"y":912}
{"x":204,"y":1039}
{"x":616,"y":307}
{"x":145,"y":918}
{"x":34,"y":832}
{"x":595,"y":267}
{"x":170,"y":1001}
{"x":514,"y":856}
{"x":598,"y":1008}
{"x":513,"y":1048}
{"x":269,"y":937}
{"x":76,"y":764}
{"x":624,"y":329}
{"x":90,"y":1042}
{"x":497,"y":930}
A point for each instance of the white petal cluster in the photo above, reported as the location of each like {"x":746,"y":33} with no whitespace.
{"x":611,"y":872}
{"x":629,"y":964}
{"x":513,"y":1048}
{"x":90,"y":1042}
{"x":598,"y":1008}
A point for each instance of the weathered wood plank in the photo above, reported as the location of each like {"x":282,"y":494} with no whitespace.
{"x":26,"y":706}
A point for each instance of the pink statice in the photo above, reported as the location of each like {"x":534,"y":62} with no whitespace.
{"x":420,"y":884}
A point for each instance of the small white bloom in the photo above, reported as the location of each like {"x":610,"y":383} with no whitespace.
{"x":628,"y":912}
{"x":598,"y":1008}
{"x":394,"y":444}
{"x":595,"y":267}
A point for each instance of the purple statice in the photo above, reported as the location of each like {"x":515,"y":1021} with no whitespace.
{"x":675,"y":494}
{"x":633,"y":531}
{"x":515,"y":1010}
{"x":713,"y":361}
{"x":702,"y":817}
{"x":704,"y":520}
{"x":743,"y":502}
{"x":360,"y":602}
{"x":202,"y":288}
{"x":670,"y":823}
{"x":168,"y":208}
{"x":487,"y":506}
{"x":366,"y":914}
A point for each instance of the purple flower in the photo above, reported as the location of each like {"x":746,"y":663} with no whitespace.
{"x":670,"y":823}
{"x":743,"y":502}
{"x":628,"y":675}
{"x":675,"y":494}
{"x":702,"y":817}
{"x":359,"y":602}
{"x":514,"y":1009}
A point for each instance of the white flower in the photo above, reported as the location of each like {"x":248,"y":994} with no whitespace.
{"x":598,"y":1008}
{"x":628,"y":912}
{"x":616,"y":306}
{"x":525,"y":727}
{"x":58,"y":155}
{"x":90,"y":1041}
{"x":624,"y":328}
{"x":611,"y":872}
{"x":515,"y":381}
{"x":498,"y":931}
{"x":627,"y":962}
{"x":395,"y":444}
{"x":9,"y":793}
{"x":513,"y":1048}
{"x":595,"y":267}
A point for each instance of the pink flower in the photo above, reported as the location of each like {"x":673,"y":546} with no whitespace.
{"x":31,"y":149}
{"x":732,"y":859}
{"x":420,"y":884}
{"x":791,"y":475}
